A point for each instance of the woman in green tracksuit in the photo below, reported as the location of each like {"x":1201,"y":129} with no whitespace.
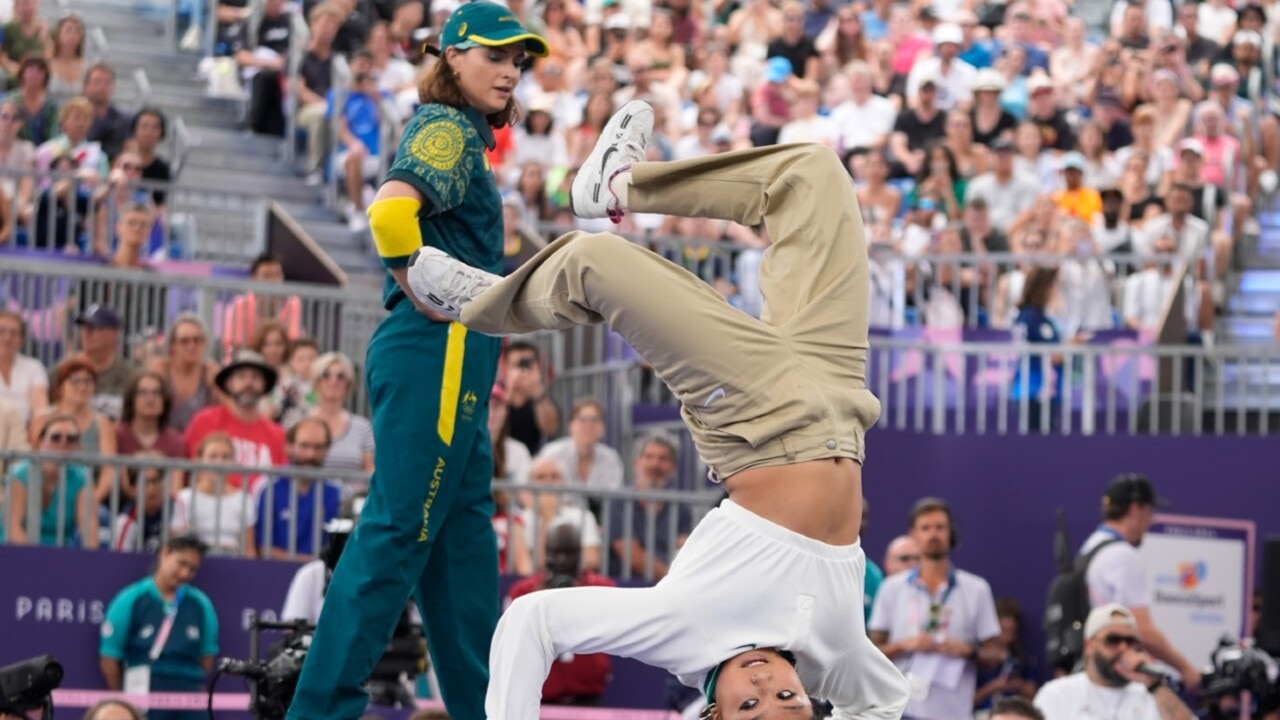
{"x":426,"y":525}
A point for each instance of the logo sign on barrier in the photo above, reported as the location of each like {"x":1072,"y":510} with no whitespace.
{"x":1200,"y":571}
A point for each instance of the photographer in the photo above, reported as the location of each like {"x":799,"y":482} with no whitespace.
{"x":574,"y":679}
{"x":534,"y":418}
{"x":1115,"y":682}
{"x":160,"y":633}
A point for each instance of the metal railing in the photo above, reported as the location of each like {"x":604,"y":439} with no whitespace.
{"x":49,"y":295}
{"x":119,"y":521}
{"x":201,"y":224}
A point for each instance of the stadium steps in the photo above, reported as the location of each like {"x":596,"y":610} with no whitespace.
{"x":224,"y":156}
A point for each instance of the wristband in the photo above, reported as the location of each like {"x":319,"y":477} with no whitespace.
{"x":1155,"y":686}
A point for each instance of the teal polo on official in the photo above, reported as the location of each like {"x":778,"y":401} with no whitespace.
{"x":134,"y":617}
{"x":442,"y":155}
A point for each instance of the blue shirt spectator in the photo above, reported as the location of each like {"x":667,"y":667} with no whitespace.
{"x":283,"y":520}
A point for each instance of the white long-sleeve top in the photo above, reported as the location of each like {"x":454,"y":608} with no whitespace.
{"x":740,"y":582}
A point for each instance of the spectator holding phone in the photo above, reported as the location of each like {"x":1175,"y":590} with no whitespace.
{"x":533,"y":417}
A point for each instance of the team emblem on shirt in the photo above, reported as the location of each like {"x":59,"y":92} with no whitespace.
{"x":439,"y":145}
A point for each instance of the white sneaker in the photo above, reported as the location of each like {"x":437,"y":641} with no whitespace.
{"x":445,"y":284}
{"x":622,"y":142}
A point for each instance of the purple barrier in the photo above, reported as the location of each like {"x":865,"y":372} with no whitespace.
{"x":53,"y":600}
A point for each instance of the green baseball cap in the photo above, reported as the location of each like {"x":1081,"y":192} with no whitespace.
{"x":487,"y":24}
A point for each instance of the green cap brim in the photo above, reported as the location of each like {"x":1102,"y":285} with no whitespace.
{"x":535,"y":44}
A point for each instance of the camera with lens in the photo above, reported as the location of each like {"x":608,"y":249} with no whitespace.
{"x":28,"y":685}
{"x":1240,"y":667}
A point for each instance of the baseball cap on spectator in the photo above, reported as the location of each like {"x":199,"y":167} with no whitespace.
{"x":1107,"y":98}
{"x":1104,"y":616}
{"x":988,"y":79}
{"x":1191,"y":145}
{"x":1246,"y":37}
{"x":1002,"y":144}
{"x":721,"y":134}
{"x":1072,"y":161}
{"x":246,"y":359}
{"x":949,"y":33}
{"x":99,"y":315}
{"x":1223,"y":74}
{"x":1038,"y":82}
{"x":927,"y":14}
{"x":929,"y":76}
{"x":779,"y":69}
{"x":1164,"y":74}
{"x":1130,"y":488}
{"x":617,"y":21}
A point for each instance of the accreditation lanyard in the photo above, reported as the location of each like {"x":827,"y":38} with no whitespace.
{"x":166,"y":627}
{"x":935,"y":621}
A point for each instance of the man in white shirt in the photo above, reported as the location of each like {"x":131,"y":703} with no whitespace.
{"x":1147,"y":293}
{"x":1116,"y":574}
{"x":865,"y":120}
{"x":1190,"y":233}
{"x":955,"y":76}
{"x":936,"y":622}
{"x":1112,"y":684}
{"x":1007,"y":193}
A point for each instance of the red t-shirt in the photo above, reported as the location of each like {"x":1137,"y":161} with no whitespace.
{"x":257,"y":444}
{"x":581,"y":675}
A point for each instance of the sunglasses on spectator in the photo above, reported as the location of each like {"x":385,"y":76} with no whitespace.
{"x":1112,"y":640}
{"x":907,"y":558}
{"x":64,"y":438}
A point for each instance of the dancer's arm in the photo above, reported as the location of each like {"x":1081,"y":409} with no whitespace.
{"x":648,"y":624}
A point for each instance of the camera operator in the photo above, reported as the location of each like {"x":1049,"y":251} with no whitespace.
{"x":574,"y":679}
{"x":1115,"y":682}
{"x":305,"y":598}
{"x":160,"y":633}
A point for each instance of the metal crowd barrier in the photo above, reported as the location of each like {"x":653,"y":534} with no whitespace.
{"x":49,"y":295}
{"x":116,"y":517}
{"x":201,"y":224}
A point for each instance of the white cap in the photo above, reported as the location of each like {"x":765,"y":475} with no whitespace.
{"x":1223,"y":74}
{"x":948,"y":33}
{"x":618,"y":21}
{"x":1193,"y":145}
{"x":1247,"y":37}
{"x":988,"y":79}
{"x":1038,"y":81}
{"x":1105,"y":616}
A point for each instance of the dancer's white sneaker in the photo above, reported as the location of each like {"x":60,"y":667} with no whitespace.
{"x":444,"y":283}
{"x":622,"y":142}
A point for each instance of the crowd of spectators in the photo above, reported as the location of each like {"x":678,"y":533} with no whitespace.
{"x":1076,"y":133}
{"x":74,"y":162}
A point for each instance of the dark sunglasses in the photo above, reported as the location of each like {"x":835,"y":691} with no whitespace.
{"x":1112,"y":640}
{"x":907,"y":558}
{"x":69,"y":439}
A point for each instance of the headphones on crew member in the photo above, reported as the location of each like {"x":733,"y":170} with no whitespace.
{"x":935,"y":504}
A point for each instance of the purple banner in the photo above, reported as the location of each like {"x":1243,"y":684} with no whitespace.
{"x":53,"y":600}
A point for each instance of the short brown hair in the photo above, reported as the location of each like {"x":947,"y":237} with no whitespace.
{"x":1017,"y":707}
{"x":265,"y":328}
{"x":585,"y":403}
{"x":440,"y":85}
{"x":66,"y":369}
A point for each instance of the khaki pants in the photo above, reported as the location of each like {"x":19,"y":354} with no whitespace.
{"x":787,"y":388}
{"x":312,"y":119}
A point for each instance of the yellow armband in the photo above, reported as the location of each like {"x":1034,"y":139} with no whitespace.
{"x":394,"y":224}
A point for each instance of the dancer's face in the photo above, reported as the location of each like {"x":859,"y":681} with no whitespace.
{"x":760,"y":683}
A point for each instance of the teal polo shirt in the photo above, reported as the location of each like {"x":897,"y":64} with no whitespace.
{"x":442,"y":155}
{"x":63,"y":503}
{"x":137,"y":613}
{"x":870,"y":587}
